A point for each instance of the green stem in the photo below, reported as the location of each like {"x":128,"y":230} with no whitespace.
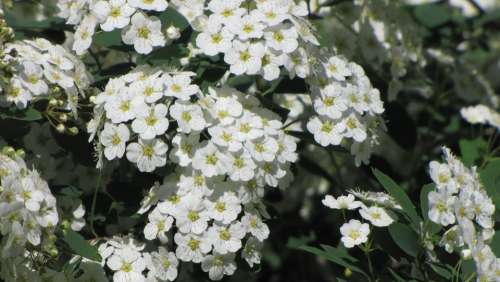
{"x":94,"y":201}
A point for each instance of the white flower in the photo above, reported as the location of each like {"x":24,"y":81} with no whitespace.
{"x":273,"y":12}
{"x":224,"y":209}
{"x":155,"y":5}
{"x":282,"y":38}
{"x":151,"y":88}
{"x":17,"y":94}
{"x":442,"y":176}
{"x":191,"y":247}
{"x":210,"y":160}
{"x":83,"y":35}
{"x":32,"y":78}
{"x":376,"y":215}
{"x":225,"y":137}
{"x":251,"y":252}
{"x":337,"y":68}
{"x":188,"y":116}
{"x":226,"y":109}
{"x":147,"y":154}
{"x":441,"y":207}
{"x":354,"y":233}
{"x":332,"y":104}
{"x":271,"y":63}
{"x":263,"y":149}
{"x":248,"y":27}
{"x":127,"y":265}
{"x":241,"y":166}
{"x":325,"y":131}
{"x":114,"y":138}
{"x":192,"y":217}
{"x":144,"y":33}
{"x":225,"y":11}
{"x":163,"y":265}
{"x":152,"y":122}
{"x":476,"y":114}
{"x":157,"y":226}
{"x":226,"y":239}
{"x":184,"y":148}
{"x":113,"y":14}
{"x":353,"y":128}
{"x":179,"y":86}
{"x":342,"y":202}
{"x":255,"y":226}
{"x":214,"y":40}
{"x":124,"y":107}
{"x":218,"y":265}
{"x":245,"y":57}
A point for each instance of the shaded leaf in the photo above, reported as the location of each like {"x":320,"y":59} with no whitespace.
{"x":472,"y":150}
{"x":405,"y":238}
{"x":400,"y":196}
{"x":81,"y":247}
{"x":28,"y":114}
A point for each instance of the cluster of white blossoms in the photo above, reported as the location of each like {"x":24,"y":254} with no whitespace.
{"x":139,"y":29}
{"x":129,"y":261}
{"x":256,"y":37}
{"x":481,"y":114}
{"x":28,"y":216}
{"x":40,"y":70}
{"x":376,"y":213}
{"x":212,"y":203}
{"x":460,"y":203}
{"x":132,"y":115}
{"x":348,"y":107}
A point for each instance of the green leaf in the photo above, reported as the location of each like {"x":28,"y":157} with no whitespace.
{"x":81,"y":247}
{"x":442,"y":271}
{"x":495,"y":243}
{"x":172,"y":17}
{"x":27,"y":24}
{"x":28,"y":114}
{"x":472,"y":150}
{"x":424,"y":201}
{"x":108,"y":39}
{"x":433,"y":15}
{"x":405,"y":238}
{"x":331,"y":256}
{"x":490,"y":177}
{"x":400,"y":196}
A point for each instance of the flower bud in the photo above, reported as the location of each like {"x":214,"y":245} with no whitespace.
{"x":347,"y":272}
{"x":60,"y":128}
{"x":20,"y":153}
{"x":53,"y":102}
{"x":63,"y":117}
{"x":466,"y":254}
{"x":73,"y":130}
{"x":173,"y":33}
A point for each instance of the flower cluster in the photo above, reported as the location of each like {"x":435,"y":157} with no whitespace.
{"x":348,"y":107}
{"x":377,"y":214}
{"x":139,"y":29}
{"x":460,"y":203}
{"x":28,"y":215}
{"x":42,"y":70}
{"x":212,"y":202}
{"x":481,"y":114}
{"x":257,"y":37}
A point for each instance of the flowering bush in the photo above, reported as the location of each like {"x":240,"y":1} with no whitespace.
{"x":238,"y":140}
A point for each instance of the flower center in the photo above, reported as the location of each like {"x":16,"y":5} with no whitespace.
{"x":224,"y":235}
{"x":143,"y":32}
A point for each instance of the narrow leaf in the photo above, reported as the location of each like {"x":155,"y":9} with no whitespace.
{"x":81,"y":247}
{"x":399,"y":195}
